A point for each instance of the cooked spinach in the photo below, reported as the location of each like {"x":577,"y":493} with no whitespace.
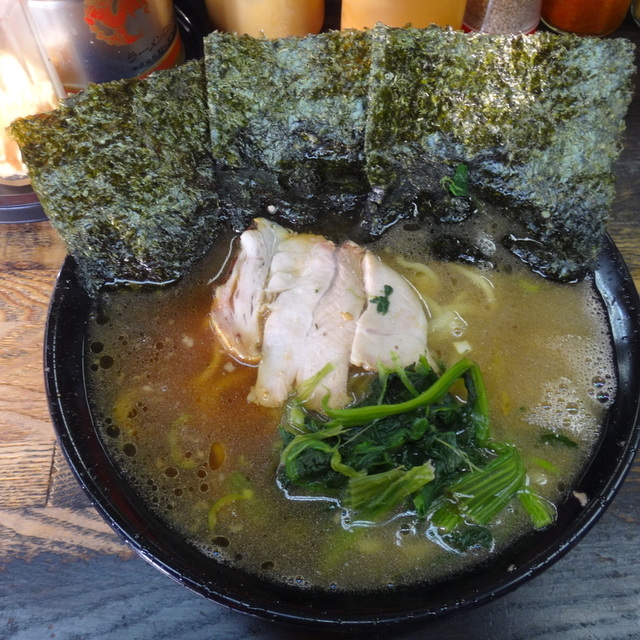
{"x":553,"y":438}
{"x":459,"y":184}
{"x":410,"y":444}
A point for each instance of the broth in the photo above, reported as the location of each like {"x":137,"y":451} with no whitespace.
{"x":171,"y":406}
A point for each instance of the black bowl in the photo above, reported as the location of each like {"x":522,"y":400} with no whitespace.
{"x":158,"y":544}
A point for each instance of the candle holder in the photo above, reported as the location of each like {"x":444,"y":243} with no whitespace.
{"x":28,"y":85}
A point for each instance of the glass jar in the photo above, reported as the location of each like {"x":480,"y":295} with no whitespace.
{"x":270,"y":18}
{"x":635,"y":11}
{"x":97,"y":40}
{"x":28,"y":85}
{"x":585,"y":17}
{"x":360,"y":14}
{"x":502,"y":16}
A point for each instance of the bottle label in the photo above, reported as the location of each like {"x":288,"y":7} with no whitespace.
{"x":100,"y":40}
{"x":145,"y":29}
{"x":116,"y":22}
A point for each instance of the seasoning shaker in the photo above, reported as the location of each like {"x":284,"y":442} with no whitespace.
{"x":502,"y":16}
{"x":584,"y":17}
{"x":92,"y":41}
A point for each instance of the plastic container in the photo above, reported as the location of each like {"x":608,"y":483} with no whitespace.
{"x":502,"y":16}
{"x":360,"y":14}
{"x":269,"y":18}
{"x":585,"y":17}
{"x":97,"y":41}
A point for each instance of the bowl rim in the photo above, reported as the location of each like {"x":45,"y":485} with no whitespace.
{"x":151,"y":539}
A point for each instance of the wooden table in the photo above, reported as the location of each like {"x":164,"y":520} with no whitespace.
{"x":65,"y":574}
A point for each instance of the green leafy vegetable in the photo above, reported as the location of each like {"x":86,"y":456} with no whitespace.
{"x":459,"y":184}
{"x":546,"y":465}
{"x":481,"y":494}
{"x":558,"y":439}
{"x":382,"y":301}
{"x":542,"y":513}
{"x":470,"y":537}
{"x":411,"y":444}
{"x":374,"y":495}
{"x":306,"y":388}
{"x":363,"y":414}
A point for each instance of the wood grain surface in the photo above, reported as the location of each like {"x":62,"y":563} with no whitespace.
{"x":65,"y":574}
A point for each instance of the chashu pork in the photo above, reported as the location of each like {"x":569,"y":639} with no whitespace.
{"x":306,"y":310}
{"x":330,"y":338}
{"x":238,"y":306}
{"x":399,"y":332}
{"x":302,"y":271}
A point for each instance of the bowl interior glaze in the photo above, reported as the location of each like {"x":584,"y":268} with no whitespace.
{"x":153,"y":540}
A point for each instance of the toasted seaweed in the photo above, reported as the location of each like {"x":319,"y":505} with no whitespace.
{"x":537,"y":120}
{"x":124,"y":172}
{"x":138,"y":176}
{"x":287,"y":123}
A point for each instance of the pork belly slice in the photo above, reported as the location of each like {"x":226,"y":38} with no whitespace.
{"x":236,"y":313}
{"x":302,"y":271}
{"x":330,"y":338}
{"x":398,"y":332}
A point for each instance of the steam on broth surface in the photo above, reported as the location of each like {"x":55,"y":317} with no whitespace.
{"x":172,"y":407}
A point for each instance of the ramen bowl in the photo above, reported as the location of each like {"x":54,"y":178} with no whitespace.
{"x":156,"y":542}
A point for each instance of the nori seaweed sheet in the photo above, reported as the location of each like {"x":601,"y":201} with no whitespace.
{"x":138,"y":176}
{"x":287,"y":121}
{"x":536,"y":119}
{"x":123,"y":170}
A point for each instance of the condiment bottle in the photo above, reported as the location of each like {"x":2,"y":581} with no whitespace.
{"x":360,"y":14}
{"x":585,"y":17}
{"x":268,"y":18}
{"x":91,"y":41}
{"x":502,"y":16}
{"x":635,"y":11}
